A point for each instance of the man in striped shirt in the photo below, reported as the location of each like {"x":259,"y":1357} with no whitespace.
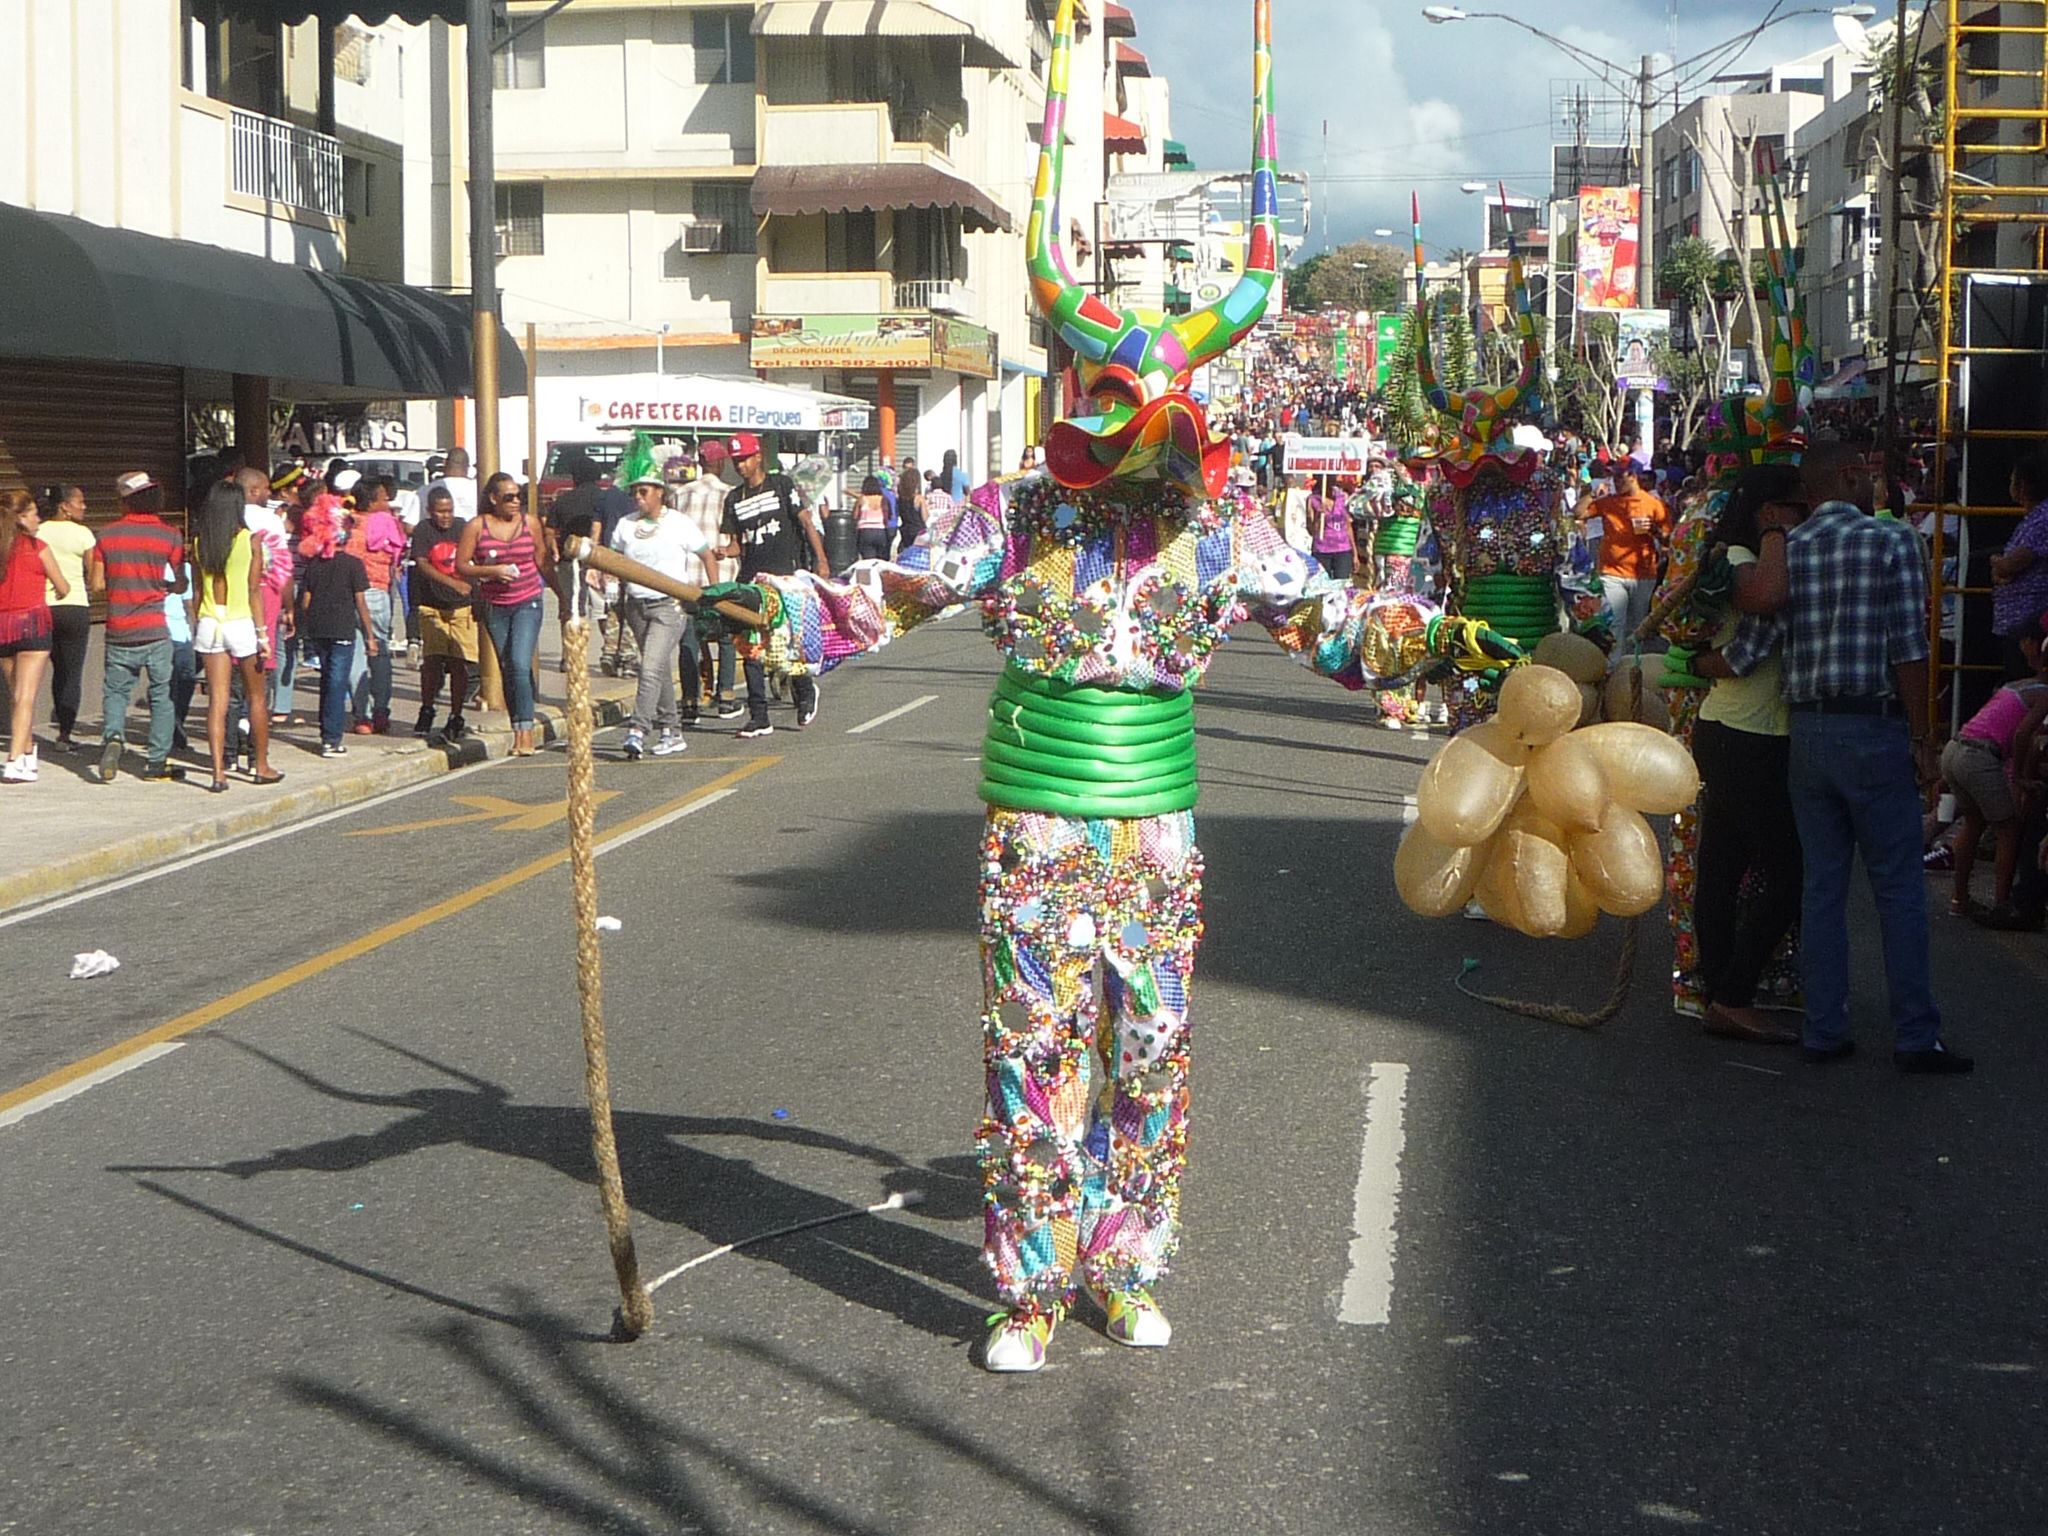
{"x":1853,"y":619}
{"x":132,"y":558}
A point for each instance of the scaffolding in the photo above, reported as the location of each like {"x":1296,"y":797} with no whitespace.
{"x":1992,"y":334}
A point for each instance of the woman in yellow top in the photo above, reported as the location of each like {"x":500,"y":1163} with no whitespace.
{"x":227,"y":636}
{"x":64,"y":530}
{"x":1743,"y":745}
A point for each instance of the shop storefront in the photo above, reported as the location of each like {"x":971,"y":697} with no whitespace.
{"x":110,"y":340}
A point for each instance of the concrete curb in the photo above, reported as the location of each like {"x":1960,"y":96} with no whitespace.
{"x":408,"y":766}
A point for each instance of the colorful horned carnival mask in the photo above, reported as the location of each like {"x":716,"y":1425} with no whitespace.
{"x":1767,"y":428}
{"x":1485,"y":416}
{"x":1136,"y":367}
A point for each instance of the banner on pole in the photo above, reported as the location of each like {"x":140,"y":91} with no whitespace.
{"x":1610,"y":233}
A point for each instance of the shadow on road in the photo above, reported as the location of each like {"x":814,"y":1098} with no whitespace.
{"x":589,"y":1451}
{"x":669,"y":1179}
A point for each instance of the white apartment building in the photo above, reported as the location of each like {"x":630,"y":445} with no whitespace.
{"x":204,"y":214}
{"x":821,"y":194}
{"x":1842,"y":209}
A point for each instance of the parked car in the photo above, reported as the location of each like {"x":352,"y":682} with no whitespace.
{"x":604,"y":452}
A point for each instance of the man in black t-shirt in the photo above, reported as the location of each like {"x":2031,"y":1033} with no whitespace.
{"x":575,"y":513}
{"x":769,"y":532}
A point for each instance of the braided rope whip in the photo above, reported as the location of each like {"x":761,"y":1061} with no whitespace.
{"x":1557,"y":1013}
{"x":636,"y":1311}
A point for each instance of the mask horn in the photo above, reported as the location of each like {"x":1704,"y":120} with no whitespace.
{"x":1083,"y":321}
{"x":1209,"y":332}
{"x":1425,"y":366}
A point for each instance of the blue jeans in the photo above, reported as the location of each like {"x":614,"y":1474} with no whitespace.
{"x":124,"y":666}
{"x":369,"y":677}
{"x":335,"y":656}
{"x":1853,"y":789}
{"x":515,"y":631}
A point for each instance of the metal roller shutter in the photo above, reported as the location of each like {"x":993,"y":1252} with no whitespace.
{"x":864,"y":449}
{"x":87,"y":423}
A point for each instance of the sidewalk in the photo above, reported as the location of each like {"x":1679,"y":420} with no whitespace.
{"x":67,"y":831}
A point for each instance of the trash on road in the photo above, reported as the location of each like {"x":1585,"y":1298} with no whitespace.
{"x":97,"y":963}
{"x":607,"y":925}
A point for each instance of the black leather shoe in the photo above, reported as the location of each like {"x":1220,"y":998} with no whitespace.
{"x":1940,"y":1061}
{"x":1841,"y":1050}
{"x":2010,"y":919}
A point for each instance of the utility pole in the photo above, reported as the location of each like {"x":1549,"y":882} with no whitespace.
{"x":1646,"y":266}
{"x":1895,"y":135}
{"x":483,"y":240}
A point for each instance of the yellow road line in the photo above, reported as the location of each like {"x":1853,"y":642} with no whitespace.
{"x":305,"y":970}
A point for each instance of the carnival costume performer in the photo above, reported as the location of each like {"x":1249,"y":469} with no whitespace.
{"x":1107,"y":584}
{"x":1699,"y":583}
{"x":1500,"y":514}
{"x":1399,"y":567}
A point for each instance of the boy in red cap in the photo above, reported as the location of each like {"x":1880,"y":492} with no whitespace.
{"x":769,"y":531}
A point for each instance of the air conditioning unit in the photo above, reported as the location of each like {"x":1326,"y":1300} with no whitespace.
{"x":501,"y":241}
{"x":704,"y":237}
{"x":947,"y":300}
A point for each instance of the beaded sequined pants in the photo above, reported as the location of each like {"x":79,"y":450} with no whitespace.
{"x":1085,"y":1135}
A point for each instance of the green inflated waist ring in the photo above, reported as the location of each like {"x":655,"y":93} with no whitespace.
{"x":1091,"y":753}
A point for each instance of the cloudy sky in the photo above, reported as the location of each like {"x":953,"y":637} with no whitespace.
{"x":1412,"y":104}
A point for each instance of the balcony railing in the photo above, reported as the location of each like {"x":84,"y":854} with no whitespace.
{"x":942,"y":296}
{"x":281,"y":162}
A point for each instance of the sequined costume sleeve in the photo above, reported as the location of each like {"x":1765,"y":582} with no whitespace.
{"x":1360,"y":638}
{"x":817,"y":622}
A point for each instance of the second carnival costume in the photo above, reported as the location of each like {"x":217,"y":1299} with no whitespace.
{"x":1107,"y":584}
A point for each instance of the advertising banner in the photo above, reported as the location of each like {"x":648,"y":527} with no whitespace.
{"x":1386,"y":339}
{"x":850,"y":342}
{"x":1639,"y":331}
{"x":1610,"y":231}
{"x":962,"y":347}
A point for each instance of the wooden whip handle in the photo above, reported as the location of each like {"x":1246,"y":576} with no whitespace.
{"x":612,"y":563}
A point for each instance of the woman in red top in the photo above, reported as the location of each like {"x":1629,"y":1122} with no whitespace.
{"x":26,"y":563}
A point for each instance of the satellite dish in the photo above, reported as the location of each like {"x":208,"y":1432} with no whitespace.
{"x":1852,"y":34}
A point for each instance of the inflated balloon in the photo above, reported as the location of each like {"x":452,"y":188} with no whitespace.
{"x":1646,"y":770}
{"x":1524,"y":883}
{"x":1526,"y":817}
{"x":1581,"y":911}
{"x":1436,"y":878}
{"x":1567,"y":784}
{"x":1466,"y":792}
{"x":1493,"y":736}
{"x":1538,"y":705}
{"x":1633,"y":694}
{"x":1574,"y":655}
{"x":1620,"y":863}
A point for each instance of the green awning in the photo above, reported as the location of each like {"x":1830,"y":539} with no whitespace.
{"x":69,"y":288}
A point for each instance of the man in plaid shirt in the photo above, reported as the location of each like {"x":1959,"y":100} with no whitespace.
{"x":1853,"y":624}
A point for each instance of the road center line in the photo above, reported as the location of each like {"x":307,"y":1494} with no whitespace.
{"x":256,"y":992}
{"x":71,"y":1090}
{"x":894,"y":714}
{"x":1369,"y":1285}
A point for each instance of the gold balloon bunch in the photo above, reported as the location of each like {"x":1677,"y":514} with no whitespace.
{"x":1544,"y":823}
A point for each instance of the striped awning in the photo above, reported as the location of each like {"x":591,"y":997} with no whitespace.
{"x":878,"y":18}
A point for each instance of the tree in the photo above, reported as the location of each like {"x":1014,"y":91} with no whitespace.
{"x":1589,"y":393}
{"x":1361,"y":275}
{"x":1702,"y":281}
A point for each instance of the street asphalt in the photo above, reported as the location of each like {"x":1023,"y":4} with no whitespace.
{"x":332,"y":1260}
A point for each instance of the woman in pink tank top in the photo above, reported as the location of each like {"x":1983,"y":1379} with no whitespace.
{"x":505,"y":553}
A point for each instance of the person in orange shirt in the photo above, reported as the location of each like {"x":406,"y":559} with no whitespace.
{"x":1634,"y":529}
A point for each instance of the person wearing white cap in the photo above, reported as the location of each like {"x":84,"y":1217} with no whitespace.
{"x":668,"y":542}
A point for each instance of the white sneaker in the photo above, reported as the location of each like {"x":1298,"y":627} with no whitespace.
{"x":1018,"y":1343}
{"x":671,"y":743}
{"x":19,"y":770}
{"x":635,"y":746}
{"x":1133,"y":1317}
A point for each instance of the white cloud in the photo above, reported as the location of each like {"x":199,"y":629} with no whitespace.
{"x":1410,"y":104}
